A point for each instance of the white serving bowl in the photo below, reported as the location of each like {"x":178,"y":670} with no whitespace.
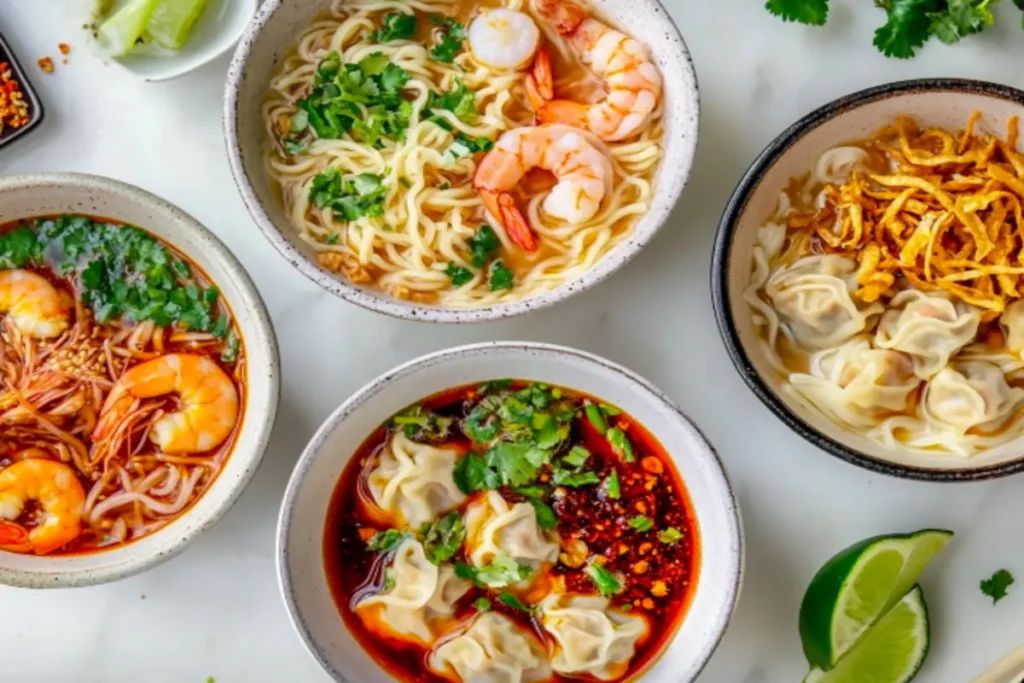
{"x":59,"y":193}
{"x":943,"y":103}
{"x":275,"y":31}
{"x":300,"y":533}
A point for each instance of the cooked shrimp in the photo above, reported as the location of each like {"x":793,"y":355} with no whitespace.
{"x":36,"y":306}
{"x":583,"y":173}
{"x":632,"y":80}
{"x":504,"y":39}
{"x":60,"y":496}
{"x":208,"y":402}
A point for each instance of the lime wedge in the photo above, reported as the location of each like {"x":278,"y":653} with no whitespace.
{"x":859,"y":585}
{"x":891,"y":651}
{"x":119,"y":33}
{"x":173,"y":21}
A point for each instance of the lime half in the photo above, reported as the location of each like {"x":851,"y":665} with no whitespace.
{"x":891,"y":651}
{"x":173,"y":21}
{"x":859,"y":585}
{"x":122,"y":30}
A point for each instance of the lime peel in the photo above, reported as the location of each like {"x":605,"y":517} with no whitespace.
{"x":122,"y":30}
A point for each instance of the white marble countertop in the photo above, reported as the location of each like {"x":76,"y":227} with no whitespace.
{"x":215,"y":610}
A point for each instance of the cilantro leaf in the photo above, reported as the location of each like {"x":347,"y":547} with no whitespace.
{"x":577,"y":457}
{"x":482,"y":604}
{"x":517,"y":464}
{"x":670,"y":535}
{"x":961,"y":18}
{"x":612,"y":487}
{"x":484,"y":243}
{"x":907,"y":28}
{"x":443,"y":537}
{"x":397,"y":26}
{"x":546,"y":518}
{"x":595,"y":418}
{"x":501,"y":277}
{"x":563,"y":477}
{"x":620,"y":444}
{"x":813,"y":12}
{"x":473,"y":473}
{"x":641,"y":523}
{"x":383,"y":541}
{"x":461,"y":101}
{"x":451,"y":35}
{"x":458,"y":274}
{"x":607,"y":583}
{"x":18,"y":247}
{"x":349,"y":197}
{"x":515,"y":603}
{"x":502,"y":571}
{"x":423,"y":426}
{"x":996,"y":585}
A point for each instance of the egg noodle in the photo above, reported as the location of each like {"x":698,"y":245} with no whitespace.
{"x":431,"y":210}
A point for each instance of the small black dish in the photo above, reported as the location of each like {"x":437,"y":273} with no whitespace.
{"x":35,"y":106}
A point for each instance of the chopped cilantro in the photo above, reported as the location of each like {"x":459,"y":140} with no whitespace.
{"x":611,"y":486}
{"x":577,"y":457}
{"x":620,"y":444}
{"x":331,"y":239}
{"x":563,"y":477}
{"x":423,"y":426}
{"x":484,"y":243}
{"x":482,"y":604}
{"x":501,"y":277}
{"x":531,"y":491}
{"x":595,"y":417}
{"x":443,"y":537}
{"x":464,"y":146}
{"x":383,"y":541}
{"x":389,"y":579}
{"x":397,"y":26}
{"x":670,"y":535}
{"x":607,"y":583}
{"x":451,"y":35}
{"x":546,"y":518}
{"x":502,"y":571}
{"x":996,"y":585}
{"x":461,"y":101}
{"x":231,"y":348}
{"x":350,"y":197}
{"x":641,"y":523}
{"x":515,"y":603}
{"x":18,"y":247}
{"x":458,"y":274}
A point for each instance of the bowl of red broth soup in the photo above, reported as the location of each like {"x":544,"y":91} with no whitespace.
{"x":509,"y":512}
{"x":129,"y":418}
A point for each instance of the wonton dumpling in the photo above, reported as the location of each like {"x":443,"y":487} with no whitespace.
{"x":971,"y":394}
{"x":928,"y":327}
{"x":814,"y":299}
{"x":493,"y":526}
{"x":413,"y":482}
{"x":493,"y":649}
{"x":591,"y":638}
{"x":1012,"y":321}
{"x":421,"y":593}
{"x":856,"y":382}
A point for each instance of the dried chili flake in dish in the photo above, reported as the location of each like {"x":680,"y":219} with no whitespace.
{"x":13,"y":104}
{"x":46,"y":64}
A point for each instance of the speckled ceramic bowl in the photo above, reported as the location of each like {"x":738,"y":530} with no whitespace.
{"x":275,"y":30}
{"x":35,"y":195}
{"x":300,"y":542}
{"x":945,"y":103}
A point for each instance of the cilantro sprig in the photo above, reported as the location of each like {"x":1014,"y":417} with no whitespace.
{"x":443,"y":537}
{"x":502,"y":571}
{"x":996,"y":585}
{"x":909,"y":23}
{"x":397,"y":26}
{"x":422,"y":425}
{"x":450,"y":36}
{"x":349,"y":197}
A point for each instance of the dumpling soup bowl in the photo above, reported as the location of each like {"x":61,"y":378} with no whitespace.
{"x":940,"y":103}
{"x":300,"y":535}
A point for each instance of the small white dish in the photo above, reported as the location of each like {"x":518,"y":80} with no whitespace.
{"x":300,"y":532}
{"x":216,"y":32}
{"x":60,"y":193}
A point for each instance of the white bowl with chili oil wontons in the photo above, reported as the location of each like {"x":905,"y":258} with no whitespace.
{"x":448,"y":519}
{"x":866,"y":279}
{"x":129,"y":420}
{"x":393,"y":198}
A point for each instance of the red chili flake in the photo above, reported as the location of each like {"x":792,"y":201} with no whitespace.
{"x":13,"y":105}
{"x":64,"y":48}
{"x":46,"y":64}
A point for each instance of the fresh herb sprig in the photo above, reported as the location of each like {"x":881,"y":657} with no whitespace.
{"x":451,"y":35}
{"x":502,"y":571}
{"x":996,"y":585}
{"x":443,"y":537}
{"x":422,"y":425}
{"x":349,"y":197}
{"x":909,"y":23}
{"x":397,"y":26}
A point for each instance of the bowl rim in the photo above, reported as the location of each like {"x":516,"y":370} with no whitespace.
{"x":721,"y":259}
{"x":313,"y":450}
{"x":379,"y":302}
{"x":134,"y":564}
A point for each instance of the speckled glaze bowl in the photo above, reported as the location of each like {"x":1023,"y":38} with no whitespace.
{"x":945,"y":103}
{"x":57,"y":193}
{"x":300,"y":531}
{"x":274,"y":32}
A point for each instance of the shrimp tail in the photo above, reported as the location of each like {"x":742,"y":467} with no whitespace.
{"x":14,"y":537}
{"x":565,"y":111}
{"x":503,"y":205}
{"x":564,"y":16}
{"x":540,"y":83}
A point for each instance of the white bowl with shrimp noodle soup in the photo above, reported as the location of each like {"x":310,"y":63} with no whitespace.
{"x":510,"y":512}
{"x":460,"y":160}
{"x":129,"y":420}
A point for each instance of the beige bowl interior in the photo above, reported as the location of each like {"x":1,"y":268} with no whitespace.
{"x":28,"y":196}
{"x":273,"y":34}
{"x":948,"y":109}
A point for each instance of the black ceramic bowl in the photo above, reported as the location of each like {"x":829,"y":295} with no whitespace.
{"x":945,"y":103}
{"x":35,"y":107}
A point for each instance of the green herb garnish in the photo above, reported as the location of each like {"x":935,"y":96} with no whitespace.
{"x":389,"y":579}
{"x":563,"y":477}
{"x":641,"y":523}
{"x":612,"y":487}
{"x":502,"y":571}
{"x":607,"y":583}
{"x":397,"y":26}
{"x":546,"y":518}
{"x":505,"y":464}
{"x":443,"y":537}
{"x":350,"y":197}
{"x":423,"y":426}
{"x":996,"y":585}
{"x":383,"y":541}
{"x":231,"y":348}
{"x":484,"y":243}
{"x":482,"y":604}
{"x":464,"y":146}
{"x":670,"y":535}
{"x":18,"y":247}
{"x":501,"y":277}
{"x":451,"y":36}
{"x":458,"y":274}
{"x":595,"y":418}
{"x":620,"y":444}
{"x":577,"y":457}
{"x":461,"y":101}
{"x":515,"y":603}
